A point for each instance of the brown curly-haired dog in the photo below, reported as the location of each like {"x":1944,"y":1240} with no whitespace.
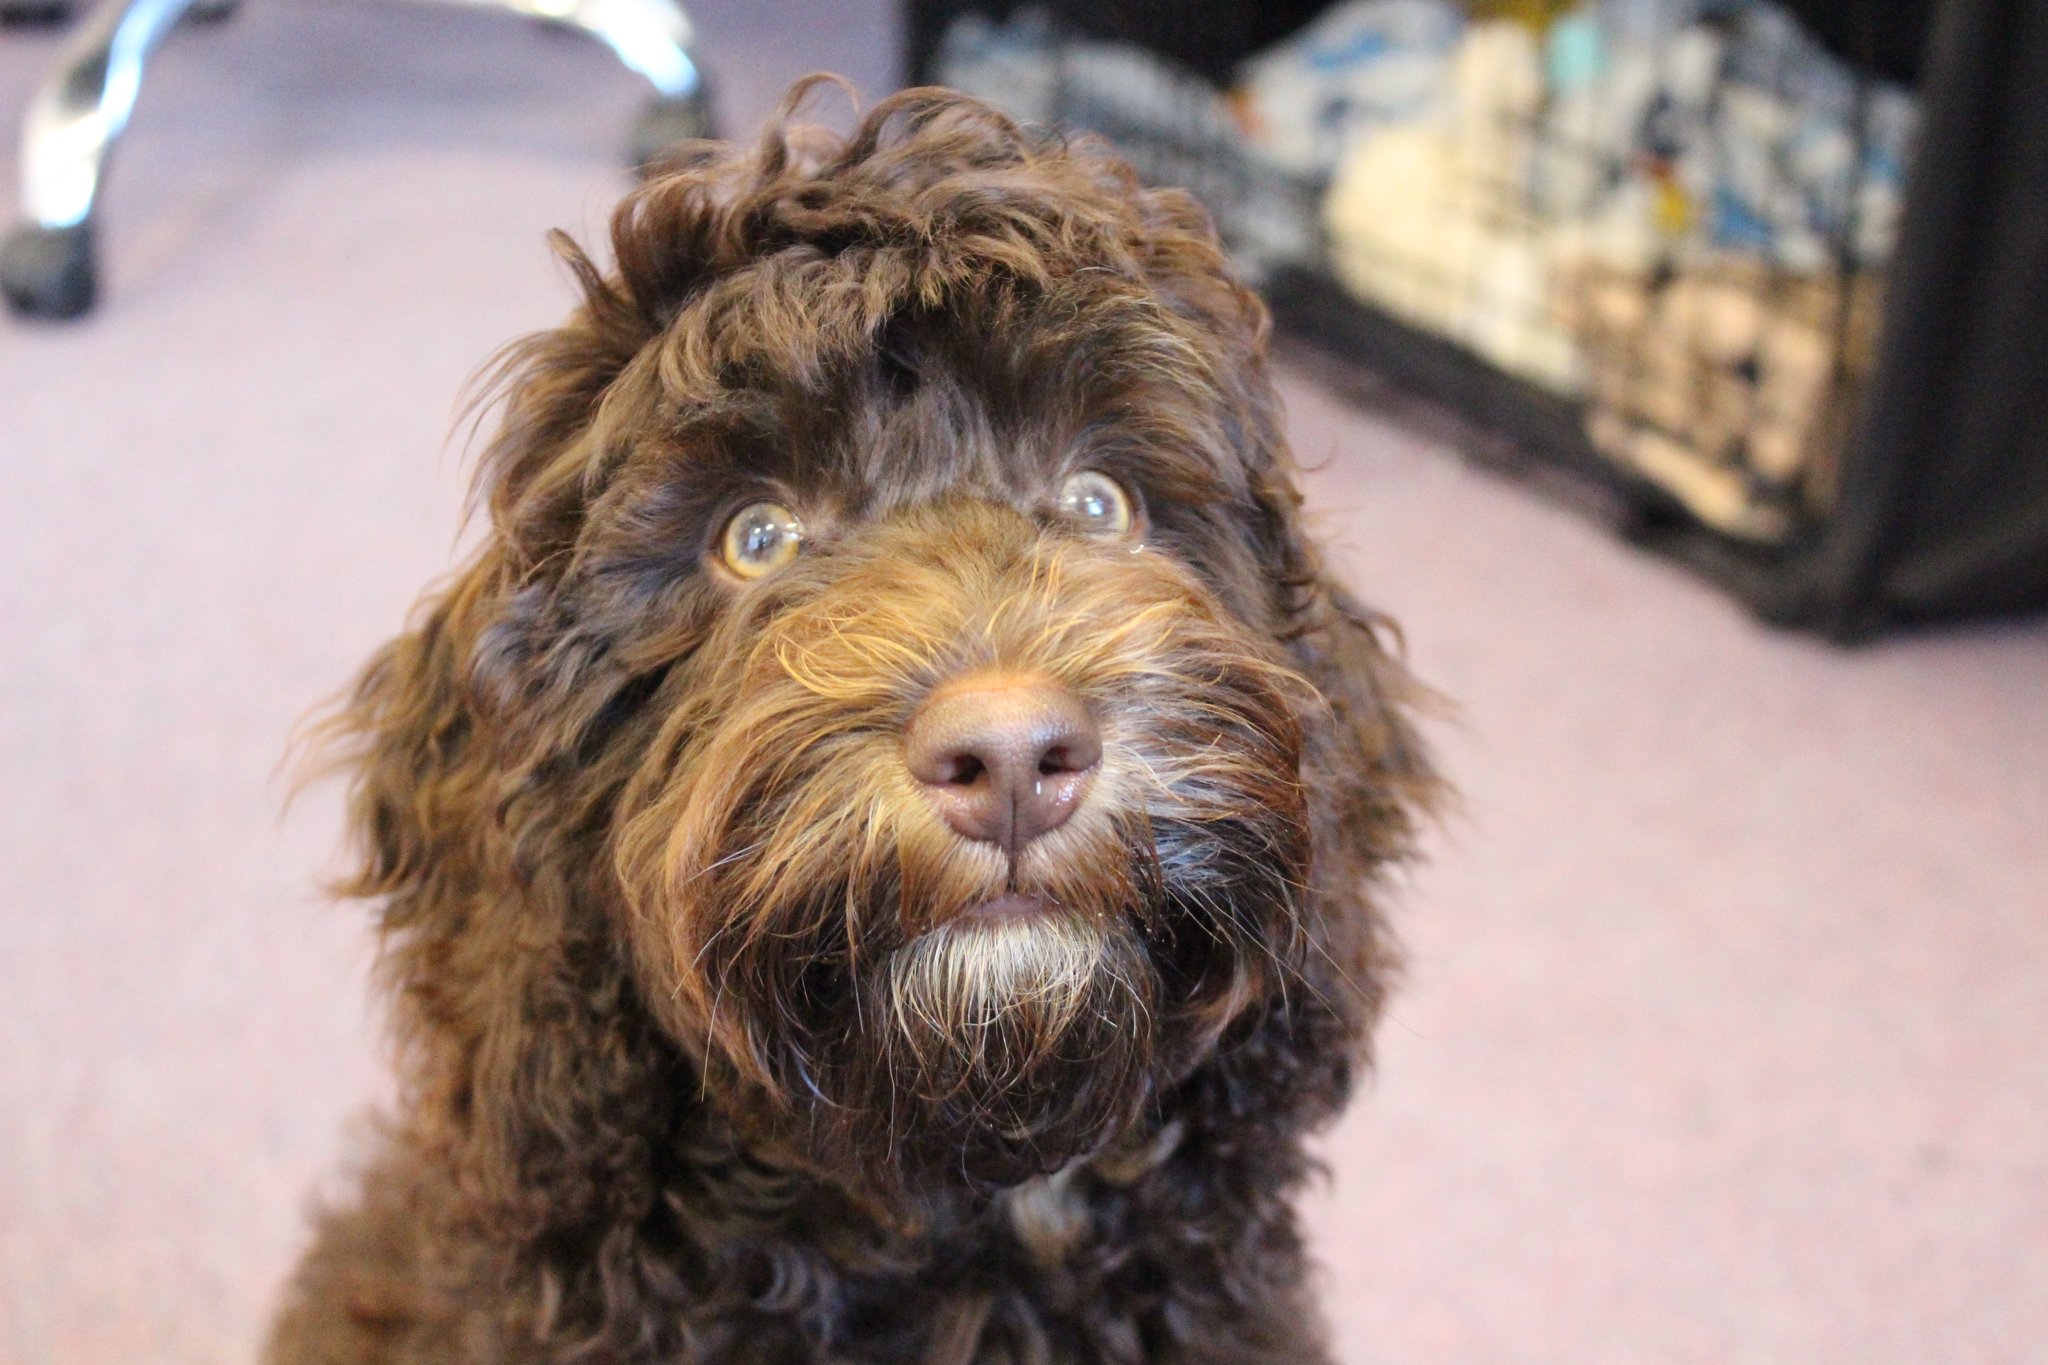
{"x":874,"y":854}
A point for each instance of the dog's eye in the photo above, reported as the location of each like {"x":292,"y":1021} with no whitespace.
{"x":1096,"y":503}
{"x":761,"y":538}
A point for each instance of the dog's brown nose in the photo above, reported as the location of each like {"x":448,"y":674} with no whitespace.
{"x":1005,"y":759}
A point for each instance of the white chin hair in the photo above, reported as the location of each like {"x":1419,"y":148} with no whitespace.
{"x":974,"y":975}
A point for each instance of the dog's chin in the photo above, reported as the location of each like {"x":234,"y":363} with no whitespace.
{"x":1002,"y":1043}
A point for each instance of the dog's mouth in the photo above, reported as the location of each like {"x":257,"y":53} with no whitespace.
{"x":1010,"y":908}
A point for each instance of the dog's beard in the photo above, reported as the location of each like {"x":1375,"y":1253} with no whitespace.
{"x":945,"y":1039}
{"x":1001,"y":1047}
{"x":943,"y":1020}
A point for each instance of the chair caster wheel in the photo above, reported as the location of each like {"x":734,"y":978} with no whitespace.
{"x":33,"y":13}
{"x":666,"y":122}
{"x":48,"y":272}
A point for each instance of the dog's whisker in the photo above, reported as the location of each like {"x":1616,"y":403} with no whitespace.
{"x":725,"y":860}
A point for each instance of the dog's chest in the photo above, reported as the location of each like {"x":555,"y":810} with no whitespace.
{"x":1048,"y":1216}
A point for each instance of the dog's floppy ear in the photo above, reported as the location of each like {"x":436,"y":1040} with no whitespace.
{"x":463,"y":814}
{"x":408,"y":735}
{"x":1370,"y":779}
{"x":1367,"y":772}
{"x":518,"y":1029}
{"x":1372,"y":766}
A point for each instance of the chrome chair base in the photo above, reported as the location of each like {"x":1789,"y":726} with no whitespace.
{"x":47,"y":266}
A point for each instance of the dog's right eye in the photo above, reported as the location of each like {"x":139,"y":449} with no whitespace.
{"x":761,"y":538}
{"x":1097,"y":504}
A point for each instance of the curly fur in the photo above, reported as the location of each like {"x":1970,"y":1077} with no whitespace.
{"x":701,"y":1061}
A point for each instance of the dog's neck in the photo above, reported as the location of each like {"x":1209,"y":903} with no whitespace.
{"x":777,"y":1187}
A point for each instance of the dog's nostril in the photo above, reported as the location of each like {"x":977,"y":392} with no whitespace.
{"x":1058,"y":760}
{"x":1004,"y":759}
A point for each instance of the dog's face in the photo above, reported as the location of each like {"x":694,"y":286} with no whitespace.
{"x":896,"y":585}
{"x":977,"y":802}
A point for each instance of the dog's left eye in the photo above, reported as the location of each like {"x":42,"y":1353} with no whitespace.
{"x":1097,"y":504}
{"x":761,"y":538}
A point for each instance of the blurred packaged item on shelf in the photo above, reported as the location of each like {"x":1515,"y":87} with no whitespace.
{"x":1726,"y":383}
{"x":1427,"y":220}
{"x":1175,"y":127}
{"x":1012,"y":65}
{"x":1360,"y":66}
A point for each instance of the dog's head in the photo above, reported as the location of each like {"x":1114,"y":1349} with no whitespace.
{"x":896,"y":610}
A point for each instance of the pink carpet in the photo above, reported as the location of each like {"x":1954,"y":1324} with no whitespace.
{"x":1724,"y":1037}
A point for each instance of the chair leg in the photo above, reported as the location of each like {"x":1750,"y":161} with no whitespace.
{"x":650,"y":37}
{"x":46,"y":264}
